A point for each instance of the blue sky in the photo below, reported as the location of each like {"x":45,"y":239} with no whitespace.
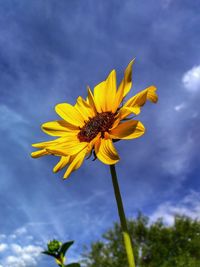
{"x":49,"y":52}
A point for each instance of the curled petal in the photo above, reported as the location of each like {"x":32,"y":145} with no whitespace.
{"x":140,"y":99}
{"x":106,"y":152}
{"x":125,"y":111}
{"x":128,"y":130}
{"x":151,"y":95}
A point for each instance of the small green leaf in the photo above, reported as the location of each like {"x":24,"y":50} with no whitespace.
{"x":65,"y":247}
{"x":49,"y":253}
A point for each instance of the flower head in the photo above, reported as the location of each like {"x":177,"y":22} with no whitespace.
{"x":92,"y":124}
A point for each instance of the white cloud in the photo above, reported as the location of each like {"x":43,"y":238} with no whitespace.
{"x":22,"y":256}
{"x":179,"y":107}
{"x":191,"y":79}
{"x":16,"y":254}
{"x":189,"y":206}
{"x":24,"y":261}
{"x":16,"y":248}
{"x":3,"y":247}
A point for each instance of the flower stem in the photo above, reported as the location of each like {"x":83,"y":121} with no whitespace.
{"x":126,"y":236}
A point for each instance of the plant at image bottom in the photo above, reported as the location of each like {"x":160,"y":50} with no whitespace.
{"x":92,"y":125}
{"x":58,"y":250}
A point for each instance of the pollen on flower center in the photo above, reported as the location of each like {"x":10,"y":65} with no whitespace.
{"x":101,"y":123}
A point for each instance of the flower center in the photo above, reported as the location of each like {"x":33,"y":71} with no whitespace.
{"x":101,"y":123}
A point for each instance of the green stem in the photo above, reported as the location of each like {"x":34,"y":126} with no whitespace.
{"x":126,"y":236}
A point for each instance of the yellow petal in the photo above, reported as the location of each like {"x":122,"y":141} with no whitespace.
{"x":106,"y":152}
{"x":48,"y":143}
{"x":61,"y":164}
{"x":39,"y":153}
{"x":57,"y":128}
{"x":124,"y":87}
{"x":125,"y":111}
{"x":128,"y":130}
{"x":110,"y":93}
{"x":76,"y":163}
{"x":117,"y":121}
{"x":70,"y":145}
{"x":84,"y":108}
{"x":140,"y":99}
{"x":126,"y":83}
{"x":68,"y":148}
{"x":151,"y":95}
{"x":105,"y":93}
{"x":93,"y":141}
{"x":70,"y":114}
{"x":90,"y":100}
{"x":99,"y":96}
{"x":43,"y":144}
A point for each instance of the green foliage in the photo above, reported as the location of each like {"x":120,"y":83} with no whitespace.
{"x":155,"y":245}
{"x":65,"y":247}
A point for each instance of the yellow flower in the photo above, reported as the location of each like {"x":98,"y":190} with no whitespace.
{"x":93,"y":123}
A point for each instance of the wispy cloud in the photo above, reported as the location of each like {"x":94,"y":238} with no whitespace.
{"x":177,"y":159}
{"x":180,"y":107}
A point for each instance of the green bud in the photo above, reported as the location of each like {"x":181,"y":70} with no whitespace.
{"x":54,"y":246}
